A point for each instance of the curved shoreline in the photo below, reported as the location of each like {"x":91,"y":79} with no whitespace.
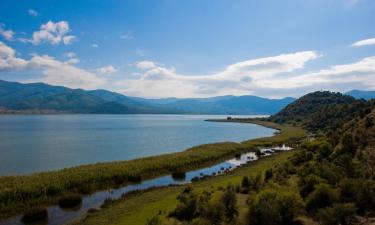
{"x":17,"y":193}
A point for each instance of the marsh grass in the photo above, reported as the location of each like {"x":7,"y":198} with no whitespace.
{"x":19,"y":193}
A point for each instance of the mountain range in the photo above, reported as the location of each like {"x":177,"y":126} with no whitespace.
{"x":43,"y":98}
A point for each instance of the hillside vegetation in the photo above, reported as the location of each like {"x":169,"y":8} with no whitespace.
{"x":322,"y":111}
{"x":328,"y":181}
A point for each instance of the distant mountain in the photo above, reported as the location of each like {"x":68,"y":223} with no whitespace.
{"x":17,"y":96}
{"x":38,"y":97}
{"x":246,"y":104}
{"x":358,"y":94}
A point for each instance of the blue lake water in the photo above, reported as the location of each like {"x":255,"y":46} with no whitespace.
{"x":32,"y":143}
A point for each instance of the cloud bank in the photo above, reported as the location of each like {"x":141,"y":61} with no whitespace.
{"x":276,"y":76}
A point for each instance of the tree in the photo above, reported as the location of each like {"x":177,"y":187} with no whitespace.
{"x":322,"y":196}
{"x":273,"y":206}
{"x":155,"y":220}
{"x":229,"y":202}
{"x":338,"y":214}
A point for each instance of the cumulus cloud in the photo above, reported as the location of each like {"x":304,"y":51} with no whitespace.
{"x":52,"y":33}
{"x":60,"y":73}
{"x":94,"y":45}
{"x":54,"y":72}
{"x":144,"y":65}
{"x":106,"y":69}
{"x":275,"y":76}
{"x":7,"y":34}
{"x":69,"y":54}
{"x":32,"y":12}
{"x":8,"y":59}
{"x":370,"y":41}
{"x":72,"y":61}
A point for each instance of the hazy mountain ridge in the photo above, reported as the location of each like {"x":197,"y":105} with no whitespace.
{"x":47,"y":98}
{"x":367,"y":95}
{"x":44,"y":97}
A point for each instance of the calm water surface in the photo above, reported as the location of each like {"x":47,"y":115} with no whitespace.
{"x":31,"y":143}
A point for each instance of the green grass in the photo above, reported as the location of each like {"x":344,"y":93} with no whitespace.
{"x":135,"y":209}
{"x":19,"y":193}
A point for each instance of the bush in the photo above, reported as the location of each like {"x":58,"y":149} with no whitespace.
{"x":268,"y":175}
{"x":339,"y":214}
{"x":178,"y":175}
{"x":323,"y":196}
{"x":70,"y":201}
{"x":35,"y":215}
{"x":274,"y":207}
{"x":307,"y":184}
{"x":155,"y":220}
{"x":229,"y":202}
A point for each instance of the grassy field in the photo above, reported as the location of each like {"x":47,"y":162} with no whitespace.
{"x":19,"y":193}
{"x":137,"y":208}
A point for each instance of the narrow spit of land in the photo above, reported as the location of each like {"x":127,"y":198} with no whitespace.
{"x":19,"y":193}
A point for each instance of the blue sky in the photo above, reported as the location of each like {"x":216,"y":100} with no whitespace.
{"x":191,"y":48}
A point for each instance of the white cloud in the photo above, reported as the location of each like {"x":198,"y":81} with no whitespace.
{"x":69,"y":54}
{"x":238,"y":79}
{"x":72,"y":61}
{"x":8,"y":59}
{"x":106,"y":70}
{"x":370,"y":41}
{"x":94,"y":45}
{"x":32,"y":12}
{"x":276,"y":76}
{"x":65,"y":74}
{"x":53,"y":33}
{"x":7,"y":34}
{"x":144,"y":65}
{"x":54,"y":72}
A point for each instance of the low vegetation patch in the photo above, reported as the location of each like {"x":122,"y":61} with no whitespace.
{"x":35,"y":215}
{"x":70,"y":201}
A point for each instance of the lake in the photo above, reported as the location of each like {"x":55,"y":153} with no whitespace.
{"x":33,"y":143}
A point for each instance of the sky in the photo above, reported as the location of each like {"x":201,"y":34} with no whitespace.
{"x":196,"y":48}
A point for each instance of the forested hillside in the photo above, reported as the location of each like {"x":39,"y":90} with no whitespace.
{"x":322,"y":111}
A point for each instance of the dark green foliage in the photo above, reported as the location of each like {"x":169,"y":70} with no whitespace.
{"x":70,"y":201}
{"x":338,"y":214}
{"x":229,"y":202}
{"x":322,"y":196}
{"x":271,"y":207}
{"x":35,"y":215}
{"x":178,"y":175}
{"x":155,"y":220}
{"x":307,"y":184}
{"x":268,"y":175}
{"x":321,"y":111}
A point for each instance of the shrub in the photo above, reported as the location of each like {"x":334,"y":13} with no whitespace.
{"x":322,"y":196}
{"x":307,"y":184}
{"x":274,"y":207}
{"x":155,"y":220}
{"x":339,"y":214}
{"x":268,"y":175}
{"x":35,"y":215}
{"x":229,"y":202}
{"x":178,"y":175}
{"x":70,"y":201}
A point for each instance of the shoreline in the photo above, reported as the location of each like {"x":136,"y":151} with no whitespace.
{"x":46,"y":188}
